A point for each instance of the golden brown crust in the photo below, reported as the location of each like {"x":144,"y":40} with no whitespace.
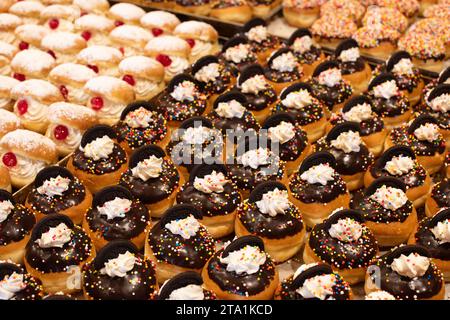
{"x":301,"y":18}
{"x":112,"y":89}
{"x":196,"y":30}
{"x":82,"y":120}
{"x":5,"y":180}
{"x":14,"y":251}
{"x":149,"y":69}
{"x":238,"y":14}
{"x":169,"y":45}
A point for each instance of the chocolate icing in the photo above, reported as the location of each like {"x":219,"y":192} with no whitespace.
{"x":33,"y":287}
{"x":18,"y":225}
{"x":441,"y":193}
{"x":392,"y":107}
{"x":331,"y":96}
{"x":426,"y":238}
{"x":401,"y":136}
{"x":114,"y":161}
{"x":310,"y":56}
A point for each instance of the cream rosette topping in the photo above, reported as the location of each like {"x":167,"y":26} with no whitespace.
{"x":148,"y":168}
{"x":358,"y":113}
{"x":118,"y":267}
{"x":144,"y":87}
{"x":349,"y":141}
{"x":380,"y":295}
{"x":349,"y":55}
{"x":442,"y":231}
{"x":255,"y":158}
{"x":322,"y":173}
{"x":257,"y":34}
{"x":318,"y":287}
{"x":189,"y":292}
{"x":36,"y":111}
{"x":99,"y":148}
{"x":274,"y":202}
{"x":386,"y":90}
{"x":197,"y":135}
{"x":56,"y":237}
{"x":178,"y":65}
{"x":139,"y":118}
{"x":254,"y":84}
{"x":389,"y":198}
{"x":211,"y":183}
{"x":427,"y":132}
{"x":238,"y":53}
{"x":185,"y":228}
{"x":73,"y":138}
{"x":208,"y":73}
{"x":330,"y":77}
{"x":298,"y":99}
{"x":26,"y":168}
{"x":399,"y":165}
{"x":282,"y":133}
{"x":116,"y":208}
{"x":184,"y":91}
{"x":244,"y":261}
{"x":346,"y":230}
{"x":285,"y":62}
{"x":303,"y":44}
{"x":411,"y":266}
{"x":6,"y":207}
{"x":54,"y":186}
{"x":230,"y":109}
{"x":200,"y":47}
{"x":10,"y":285}
{"x":441,"y":103}
{"x":404,"y":66}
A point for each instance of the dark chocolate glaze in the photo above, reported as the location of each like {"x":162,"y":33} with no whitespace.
{"x":316,"y":193}
{"x":292,"y":149}
{"x":414,"y":178}
{"x":400,"y":136}
{"x":441,"y":193}
{"x":331,"y":96}
{"x":154,"y":189}
{"x":282,"y":77}
{"x":138,"y":284}
{"x":220,"y":84}
{"x":310,"y":56}
{"x":192,"y":3}
{"x":126,"y":228}
{"x":180,"y":110}
{"x":17,"y":225}
{"x":236,"y":68}
{"x":261,"y":100}
{"x":392,"y":107}
{"x":114,"y":161}
{"x":367,"y":127}
{"x":375,"y":212}
{"x":243,"y":284}
{"x":343,"y":255}
{"x":55,"y":259}
{"x":211,"y":204}
{"x":351,"y":67}
{"x":443,"y":118}
{"x":245,"y":123}
{"x":269,"y":43}
{"x":278,"y":227}
{"x":408,"y":82}
{"x":426,"y":238}
{"x":341,"y":290}
{"x":174,"y":249}
{"x":304,"y":116}
{"x":33,"y":288}
{"x":72,"y":197}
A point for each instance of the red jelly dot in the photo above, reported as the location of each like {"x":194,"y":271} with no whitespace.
{"x":94,"y":68}
{"x":157,"y":32}
{"x":22,"y":106}
{"x":60,"y":132}
{"x":97,"y":103}
{"x":164,"y":59}
{"x":23,"y":45}
{"x":50,"y":52}
{"x":53,"y":23}
{"x":118,"y":23}
{"x":19,"y":76}
{"x":83,"y":13}
{"x":9,"y":159}
{"x":129,"y":79}
{"x":191,"y":42}
{"x":86,"y":35}
{"x":64,"y":91}
{"x":122,"y":50}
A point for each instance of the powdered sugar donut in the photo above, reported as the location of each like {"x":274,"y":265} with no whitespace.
{"x":8,"y":122}
{"x":125,"y":13}
{"x":92,"y":6}
{"x":94,"y":29}
{"x":129,"y":39}
{"x":60,"y":17}
{"x":6,"y":85}
{"x":160,"y":22}
{"x":29,"y":36}
{"x":32,"y":64}
{"x":7,"y":52}
{"x":102,"y":59}
{"x":29,"y":11}
{"x":5,"y":4}
{"x":8,"y":23}
{"x":63,"y":46}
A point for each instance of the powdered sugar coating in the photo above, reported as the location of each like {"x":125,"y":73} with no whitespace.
{"x":27,"y":140}
{"x":69,"y":111}
{"x":27,"y":8}
{"x":33,"y":60}
{"x":169,"y":43}
{"x":68,"y":12}
{"x":127,"y":11}
{"x":35,"y":87}
{"x":159,"y":19}
{"x":7,"y":83}
{"x":73,"y":71}
{"x":105,"y":84}
{"x":94,"y":54}
{"x":61,"y":41}
{"x":7,"y":50}
{"x":92,"y":5}
{"x":131,"y":33}
{"x":198,"y":28}
{"x":9,"y":21}
{"x":137,"y":64}
{"x":94,"y":22}
{"x":8,"y":118}
{"x":31,"y":32}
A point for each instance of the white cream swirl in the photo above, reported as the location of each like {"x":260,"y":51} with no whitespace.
{"x":411,"y":266}
{"x":6,"y":207}
{"x":441,"y":103}
{"x":211,"y":183}
{"x":99,"y":148}
{"x":254,"y":84}
{"x":244,"y":261}
{"x":139,"y":118}
{"x":10,"y":285}
{"x":118,"y":267}
{"x":208,"y":73}
{"x":285,"y":62}
{"x":196,"y":135}
{"x":349,"y":141}
{"x":111,"y":110}
{"x":389,"y":197}
{"x":143,"y":87}
{"x":346,"y":230}
{"x":298,"y":99}
{"x":55,"y":237}
{"x":303,"y":44}
{"x":185,"y":228}
{"x":77,"y":95}
{"x":177,"y":66}
{"x":73,"y":139}
{"x":148,"y":168}
{"x":201,"y":48}
{"x":274,"y":202}
{"x":230,"y":109}
{"x":330,"y":77}
{"x":255,"y":158}
{"x":404,"y":66}
{"x":26,"y":168}
{"x":320,"y":287}
{"x":184,"y":91}
{"x":116,"y":208}
{"x":54,"y":186}
{"x":36,"y":111}
{"x":349,"y":55}
{"x":257,"y":34}
{"x":189,"y":292}
{"x":282,"y":133}
{"x":399,"y":165}
{"x":442,"y":231}
{"x":238,"y":53}
{"x":386,"y":90}
{"x":358,"y":113}
{"x":322,"y":173}
{"x":427,"y":132}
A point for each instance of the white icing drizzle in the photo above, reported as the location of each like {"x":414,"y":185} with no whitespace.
{"x":274,"y":202}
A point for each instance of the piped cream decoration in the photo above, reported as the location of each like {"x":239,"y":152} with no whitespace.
{"x":380,"y":295}
{"x":350,"y":55}
{"x":56,"y":237}
{"x":208,"y":73}
{"x":282,"y":133}
{"x":196,"y":135}
{"x":274,"y":202}
{"x":189,"y":292}
{"x":427,"y":132}
{"x":10,"y":285}
{"x":322,"y":173}
{"x":6,"y":207}
{"x":139,"y":118}
{"x":118,"y":267}
{"x":303,"y":44}
{"x":244,"y":261}
{"x":285,"y":62}
{"x":54,"y":186}
{"x":386,"y":90}
{"x":318,"y":287}
{"x":442,"y":231}
{"x":148,"y":168}
{"x":254,"y":84}
{"x":389,"y":198}
{"x":211,"y":183}
{"x":185,"y":228}
{"x":255,"y":158}
{"x":330,"y":77}
{"x":257,"y":34}
{"x":116,"y":208}
{"x":230,"y":109}
{"x":349,"y":141}
{"x":346,"y":230}
{"x":238,"y":53}
{"x":99,"y":148}
{"x":441,"y":103}
{"x":185,"y":91}
{"x":298,"y":99}
{"x":399,"y":165}
{"x":358,"y":113}
{"x":404,"y":66}
{"x":411,"y":266}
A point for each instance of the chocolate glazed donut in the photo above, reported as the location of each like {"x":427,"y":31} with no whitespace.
{"x":33,"y":288}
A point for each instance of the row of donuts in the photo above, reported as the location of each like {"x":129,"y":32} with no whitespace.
{"x":379,"y":28}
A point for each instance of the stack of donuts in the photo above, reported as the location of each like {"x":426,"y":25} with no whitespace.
{"x":353,"y":185}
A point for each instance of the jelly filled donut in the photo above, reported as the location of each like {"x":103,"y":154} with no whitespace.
{"x":56,"y":252}
{"x":125,"y":13}
{"x":17,"y":284}
{"x":116,"y":214}
{"x":100,"y":160}
{"x":160,"y":22}
{"x":63,"y":46}
{"x":387,"y":211}
{"x":317,"y":189}
{"x":16,"y":222}
{"x":152,"y":178}
{"x":130,"y":39}
{"x":6,"y":86}
{"x":408,"y":273}
{"x":210,"y":190}
{"x":94,"y":29}
{"x":7,"y":53}
{"x":179,"y":243}
{"x":241,"y":271}
{"x":56,"y":190}
{"x":400,"y":162}
{"x":185,"y":286}
{"x":344,"y":242}
{"x":119,"y":272}
{"x":314,"y":281}
{"x":102,"y":59}
{"x":269,"y":214}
